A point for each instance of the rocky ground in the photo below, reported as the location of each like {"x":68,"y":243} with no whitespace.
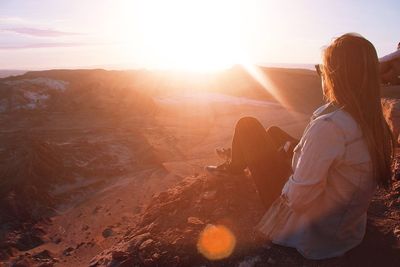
{"x":168,"y":231}
{"x":101,"y":182}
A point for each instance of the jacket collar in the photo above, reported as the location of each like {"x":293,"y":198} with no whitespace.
{"x":325,"y":109}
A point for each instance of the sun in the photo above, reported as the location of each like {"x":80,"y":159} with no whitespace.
{"x":183,"y":35}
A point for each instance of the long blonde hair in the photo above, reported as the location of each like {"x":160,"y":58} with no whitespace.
{"x":351,"y":79}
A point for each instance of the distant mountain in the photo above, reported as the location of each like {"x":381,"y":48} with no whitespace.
{"x":299,"y":89}
{"x":7,"y":73}
{"x":67,"y":90}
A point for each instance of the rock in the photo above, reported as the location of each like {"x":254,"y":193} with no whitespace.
{"x":45,"y":254}
{"x":46,"y":264}
{"x":107,"y":232}
{"x":267,"y":245}
{"x":250,"y":262}
{"x":119,"y":255}
{"x":150,"y":226}
{"x":85,"y":227}
{"x":188,"y":231}
{"x":97,"y":209}
{"x":148,"y":262}
{"x":156,"y":256}
{"x":177,"y":259}
{"x":137,"y":240}
{"x":56,"y":240}
{"x":146,"y":244}
{"x":209,"y":195}
{"x":271,"y":261}
{"x":22,"y":263}
{"x":28,"y":240}
{"x":67,"y":251}
{"x":137,"y":209}
{"x":391,"y":111}
{"x":177,"y":240}
{"x":80,"y":245}
{"x":396,"y":231}
{"x":4,"y":255}
{"x":195,"y":220}
{"x":94,"y":262}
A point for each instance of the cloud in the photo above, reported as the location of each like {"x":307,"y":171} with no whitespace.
{"x":7,"y":20}
{"x":39,"y":45}
{"x":39,"y":32}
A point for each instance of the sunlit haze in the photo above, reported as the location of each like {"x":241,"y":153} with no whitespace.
{"x":199,"y":133}
{"x":183,"y":34}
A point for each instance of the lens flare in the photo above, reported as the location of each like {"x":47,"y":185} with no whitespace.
{"x":216,"y":242}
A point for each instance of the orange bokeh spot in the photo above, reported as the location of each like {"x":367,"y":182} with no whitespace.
{"x":216,"y":242}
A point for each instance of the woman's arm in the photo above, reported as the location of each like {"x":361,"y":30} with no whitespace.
{"x":322,"y":144}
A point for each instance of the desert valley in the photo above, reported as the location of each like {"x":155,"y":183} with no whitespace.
{"x":105,"y":168}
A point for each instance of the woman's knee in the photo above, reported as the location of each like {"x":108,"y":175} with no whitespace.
{"x":246,"y":122}
{"x":274,"y":130}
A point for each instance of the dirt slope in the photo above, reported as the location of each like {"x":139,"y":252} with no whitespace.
{"x":168,"y":231}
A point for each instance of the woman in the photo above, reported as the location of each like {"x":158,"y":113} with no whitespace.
{"x":320,"y":208}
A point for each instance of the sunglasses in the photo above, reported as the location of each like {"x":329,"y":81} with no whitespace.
{"x":318,"y":68}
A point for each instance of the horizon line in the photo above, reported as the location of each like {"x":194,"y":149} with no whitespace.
{"x":122,"y":67}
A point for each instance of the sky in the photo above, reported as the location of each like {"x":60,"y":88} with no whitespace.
{"x":185,"y":34}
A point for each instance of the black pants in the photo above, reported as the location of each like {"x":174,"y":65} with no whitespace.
{"x":257,"y":148}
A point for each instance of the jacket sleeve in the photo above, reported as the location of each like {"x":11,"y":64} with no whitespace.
{"x":323,"y":143}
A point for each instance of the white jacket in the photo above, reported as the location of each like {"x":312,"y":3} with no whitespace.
{"x":330,"y":190}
